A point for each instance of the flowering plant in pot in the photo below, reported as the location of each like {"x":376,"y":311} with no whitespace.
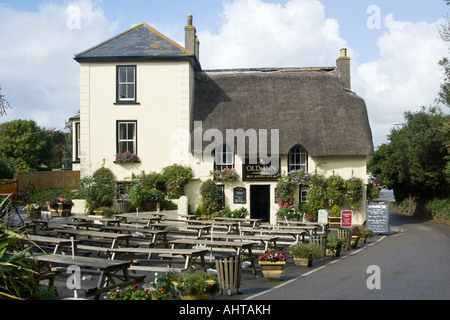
{"x":355,"y":234}
{"x":198,"y":285}
{"x":271,"y":263}
{"x":33,"y":210}
{"x":126,"y":157}
{"x":365,"y":233}
{"x":60,"y":206}
{"x":334,"y":246}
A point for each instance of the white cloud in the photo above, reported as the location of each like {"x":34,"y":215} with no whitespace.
{"x":254,"y":33}
{"x":405,"y":77}
{"x":38,"y":75}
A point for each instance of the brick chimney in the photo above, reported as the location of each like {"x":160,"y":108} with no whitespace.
{"x":191,"y":42}
{"x":343,"y":69}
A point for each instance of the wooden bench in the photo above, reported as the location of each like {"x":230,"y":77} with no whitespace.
{"x":109,"y":270}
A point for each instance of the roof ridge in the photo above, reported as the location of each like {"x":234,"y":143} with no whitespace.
{"x":136,"y":27}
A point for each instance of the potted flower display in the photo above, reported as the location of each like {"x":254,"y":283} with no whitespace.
{"x":33,"y":210}
{"x":365,"y":233}
{"x":126,"y":157}
{"x":160,"y":289}
{"x":226,"y":174}
{"x":355,"y":235}
{"x":304,"y":254}
{"x":60,"y":206}
{"x":334,"y":247}
{"x":198,"y":285}
{"x":334,"y":217}
{"x":272,"y":263}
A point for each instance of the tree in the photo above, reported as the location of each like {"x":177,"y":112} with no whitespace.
{"x":416,"y":161}
{"x":26,"y":143}
{"x":4,"y":105}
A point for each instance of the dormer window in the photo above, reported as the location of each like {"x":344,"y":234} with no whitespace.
{"x":126,"y":84}
{"x":298,"y":158}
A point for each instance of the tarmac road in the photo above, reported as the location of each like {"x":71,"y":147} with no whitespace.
{"x":412,"y":263}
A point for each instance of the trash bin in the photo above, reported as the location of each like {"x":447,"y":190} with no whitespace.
{"x":229,"y":270}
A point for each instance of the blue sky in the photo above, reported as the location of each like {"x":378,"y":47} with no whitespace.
{"x":393,"y":45}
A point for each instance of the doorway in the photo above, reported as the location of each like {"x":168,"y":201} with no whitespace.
{"x":260,"y":202}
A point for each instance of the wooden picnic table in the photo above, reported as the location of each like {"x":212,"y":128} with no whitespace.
{"x":157,"y":236}
{"x":254,"y":222}
{"x":264,"y":239}
{"x":58,"y":243}
{"x":240,"y":248}
{"x":230,"y":225}
{"x":190,"y":255}
{"x":93,"y":219}
{"x":201,"y":229}
{"x":40,"y":224}
{"x":114,"y":236}
{"x":312,"y":229}
{"x":110,"y":270}
{"x":298,"y":235}
{"x":133,"y":218}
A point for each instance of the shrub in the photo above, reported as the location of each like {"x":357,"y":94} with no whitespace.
{"x":306,"y":251}
{"x":176,"y":177}
{"x":98,"y":190}
{"x":210,"y":197}
{"x":140,"y":196}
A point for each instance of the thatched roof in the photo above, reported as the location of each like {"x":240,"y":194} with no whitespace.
{"x":308,"y":106}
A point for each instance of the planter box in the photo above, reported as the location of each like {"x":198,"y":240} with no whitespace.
{"x":272,"y":271}
{"x":34,"y":215}
{"x":334,"y":222}
{"x":61,"y":210}
{"x":333,"y":253}
{"x":354,"y":241}
{"x":303,"y":262}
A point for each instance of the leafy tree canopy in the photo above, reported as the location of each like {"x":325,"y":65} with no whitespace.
{"x":26,"y":144}
{"x":416,"y":161}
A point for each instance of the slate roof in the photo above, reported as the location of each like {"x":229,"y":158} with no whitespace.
{"x":139,"y":43}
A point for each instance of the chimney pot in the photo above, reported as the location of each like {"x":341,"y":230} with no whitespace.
{"x":189,"y":18}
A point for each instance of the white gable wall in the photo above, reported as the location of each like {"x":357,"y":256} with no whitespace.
{"x":164,"y":94}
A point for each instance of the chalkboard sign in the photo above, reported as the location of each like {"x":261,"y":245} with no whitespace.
{"x":240,"y":195}
{"x":377,"y":219}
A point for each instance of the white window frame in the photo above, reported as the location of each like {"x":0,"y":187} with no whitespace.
{"x":298,"y":158}
{"x":223,"y":157}
{"x":127,"y":83}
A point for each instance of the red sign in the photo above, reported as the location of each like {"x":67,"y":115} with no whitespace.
{"x":346,"y":218}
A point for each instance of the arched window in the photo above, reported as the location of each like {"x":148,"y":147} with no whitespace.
{"x":223,"y":157}
{"x":298,"y":158}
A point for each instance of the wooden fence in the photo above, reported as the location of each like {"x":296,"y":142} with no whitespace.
{"x":41,"y":180}
{"x":9,"y":187}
